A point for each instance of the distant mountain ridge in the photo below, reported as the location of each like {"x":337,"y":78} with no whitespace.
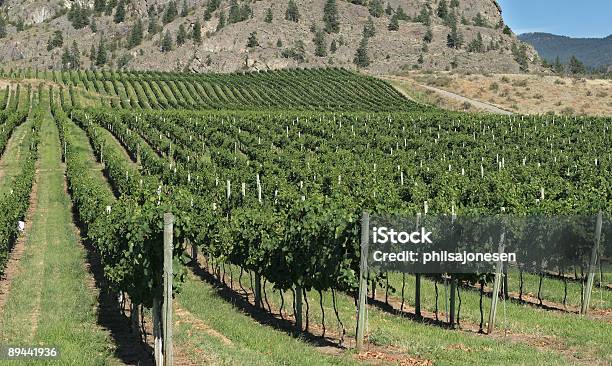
{"x":594,"y":52}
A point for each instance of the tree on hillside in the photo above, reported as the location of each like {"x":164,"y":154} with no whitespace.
{"x":246,"y":12}
{"x":154,"y":27}
{"x":477,"y":44}
{"x":451,"y":19}
{"x":152,"y":11}
{"x":576,"y":66}
{"x":211,"y":6}
{"x":196,"y":34}
{"x":71,"y":58}
{"x":166,"y":43}
{"x":252,"y":41}
{"x":454,"y":4}
{"x":333,"y":47}
{"x":299,"y":51}
{"x":492,"y":46}
{"x":292,"y":13}
{"x":520,"y":56}
{"x":124,"y":61}
{"x":56,"y":41}
{"x":78,"y":16}
{"x":66,"y":59}
{"x":424,"y":16}
{"x":2,"y":27}
{"x":20,"y":25}
{"x":101,"y":55}
{"x":181,"y":35}
{"x":401,"y":14}
{"x":442,"y":9}
{"x":428,"y":37}
{"x":136,"y":34}
{"x":184,"y":9}
{"x":234,"y":15}
{"x":120,"y":12}
{"x":221,"y":22}
{"x":389,"y":10}
{"x":320,"y":43}
{"x":330,"y":17}
{"x":558,"y":66}
{"x":76,"y":55}
{"x":171,"y":12}
{"x":269,"y":16}
{"x":454,"y":39}
{"x":92,"y":53}
{"x":110,"y":5}
{"x":369,"y":30}
{"x":99,"y":6}
{"x":393,"y":24}
{"x":480,"y":21}
{"x":376,"y":8}
{"x":361,"y":55}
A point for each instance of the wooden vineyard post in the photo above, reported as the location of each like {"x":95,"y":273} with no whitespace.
{"x":299,"y":292}
{"x":157,"y":333}
{"x":363,"y":279}
{"x":417,"y":284}
{"x":257,"y":290}
{"x":167,"y":309}
{"x":592,"y":266}
{"x":497,"y":283}
{"x":453,"y":282}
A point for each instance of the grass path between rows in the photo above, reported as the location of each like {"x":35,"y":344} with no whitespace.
{"x":552,"y":339}
{"x":10,"y":164}
{"x":51,"y":299}
{"x":211,"y":330}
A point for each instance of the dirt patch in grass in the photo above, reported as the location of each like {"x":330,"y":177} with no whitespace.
{"x":183,"y":315}
{"x":386,"y":358}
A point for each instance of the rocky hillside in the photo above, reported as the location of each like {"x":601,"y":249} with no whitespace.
{"x":253,"y":35}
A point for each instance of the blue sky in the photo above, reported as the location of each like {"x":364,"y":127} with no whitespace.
{"x":574,"y":18}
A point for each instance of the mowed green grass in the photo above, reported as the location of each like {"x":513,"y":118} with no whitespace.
{"x":586,"y":338}
{"x":223,"y":335}
{"x":535,"y":336}
{"x":553,"y":290}
{"x":14,"y":155}
{"x":50,"y":302}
